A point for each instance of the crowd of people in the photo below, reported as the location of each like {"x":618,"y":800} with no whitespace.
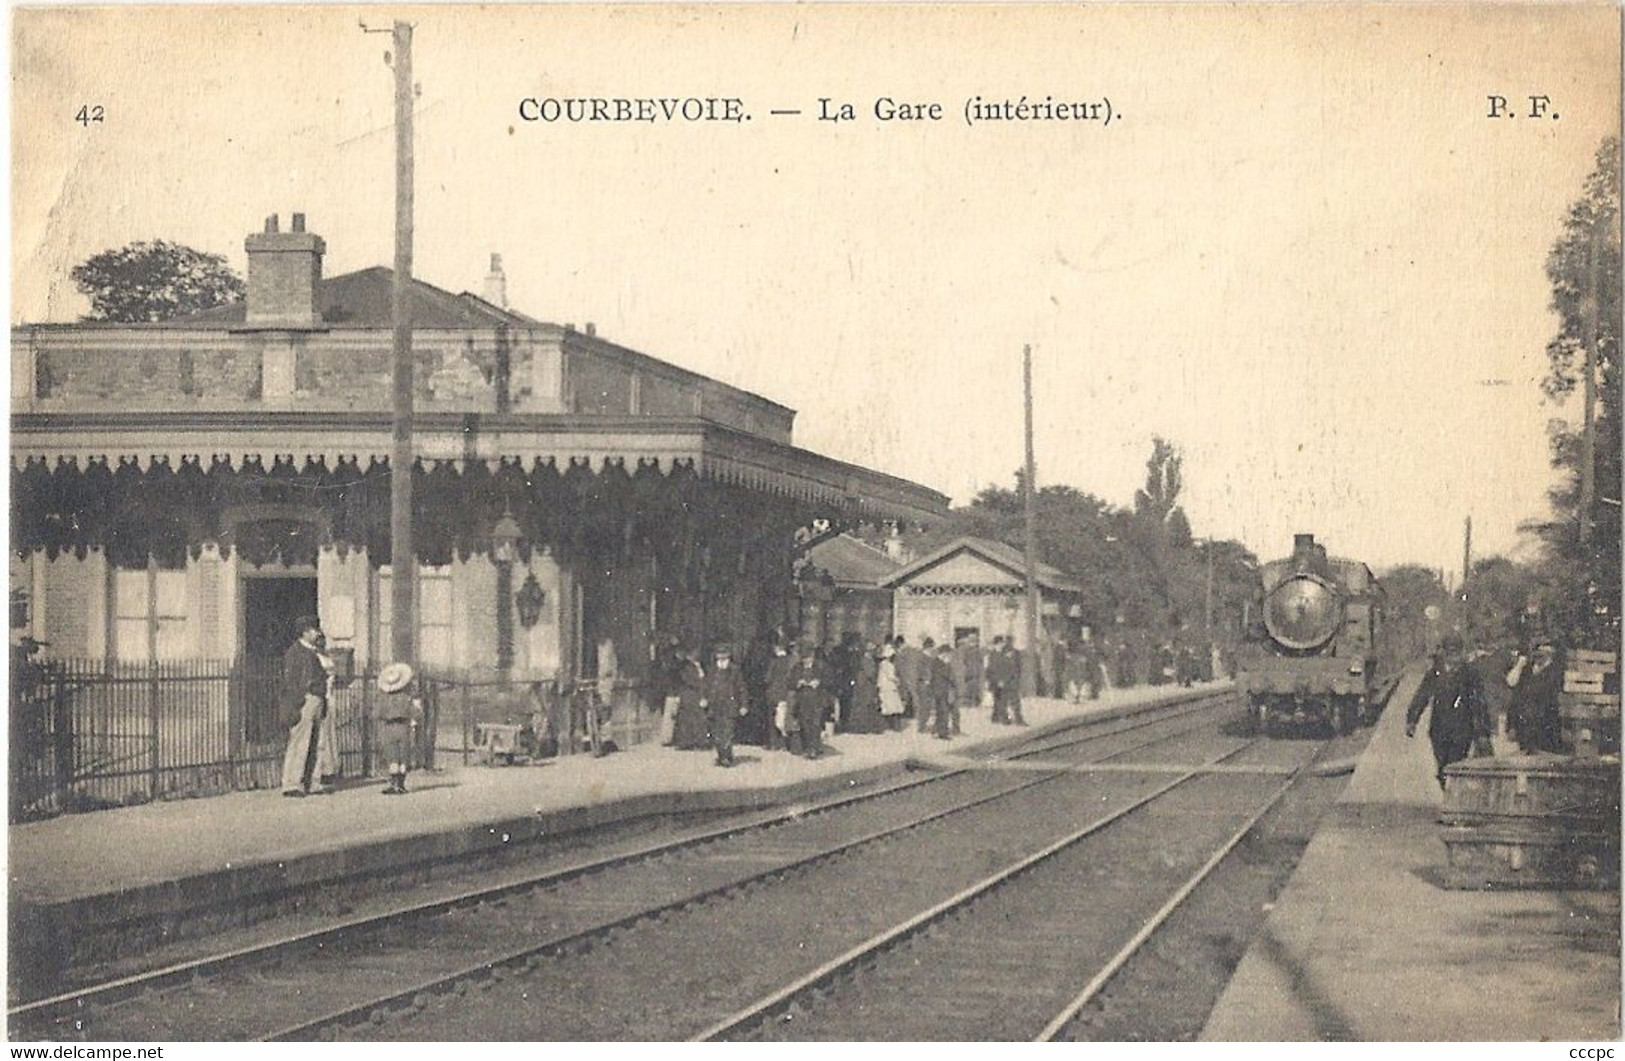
{"x":787,"y":693}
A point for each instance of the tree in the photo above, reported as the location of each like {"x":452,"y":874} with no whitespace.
{"x":1157,"y":501}
{"x":154,"y":281}
{"x":1408,"y":591}
{"x":1584,"y":269}
{"x":1495,"y":599}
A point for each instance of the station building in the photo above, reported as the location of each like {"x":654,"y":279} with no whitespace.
{"x":975,"y":585}
{"x":182,"y":490}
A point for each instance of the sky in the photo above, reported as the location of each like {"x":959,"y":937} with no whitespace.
{"x":1301,"y":250}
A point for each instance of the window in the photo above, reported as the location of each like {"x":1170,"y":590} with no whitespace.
{"x":434,"y":616}
{"x":149,"y":615}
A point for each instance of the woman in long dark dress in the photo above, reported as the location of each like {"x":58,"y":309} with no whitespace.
{"x":864,"y":716}
{"x":691,"y":732}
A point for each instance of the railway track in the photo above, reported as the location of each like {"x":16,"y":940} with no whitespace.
{"x":668,"y":976}
{"x":1010,"y":957}
{"x":379,"y":960}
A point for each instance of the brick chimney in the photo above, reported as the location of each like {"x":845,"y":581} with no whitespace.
{"x":284,"y":269}
{"x":495,"y":290}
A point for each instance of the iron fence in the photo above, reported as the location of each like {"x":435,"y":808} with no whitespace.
{"x":92,"y":734}
{"x":558,"y":717}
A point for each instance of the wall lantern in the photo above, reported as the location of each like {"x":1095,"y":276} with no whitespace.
{"x":505,"y":538}
{"x":529,"y":601}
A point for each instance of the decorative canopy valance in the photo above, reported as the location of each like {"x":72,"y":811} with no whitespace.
{"x":346,"y":444}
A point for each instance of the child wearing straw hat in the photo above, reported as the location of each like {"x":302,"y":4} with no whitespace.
{"x":396,"y":712}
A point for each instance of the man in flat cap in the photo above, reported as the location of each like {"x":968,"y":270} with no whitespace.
{"x":304,"y":703}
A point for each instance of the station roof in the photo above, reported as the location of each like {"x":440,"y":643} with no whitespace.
{"x":1004,"y":557}
{"x":852,"y":562}
{"x":363,"y":299}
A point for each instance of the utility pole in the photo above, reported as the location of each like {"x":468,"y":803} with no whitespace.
{"x":402,"y":550}
{"x":1029,"y":678}
{"x":1207,"y":599}
{"x":1466,"y":551}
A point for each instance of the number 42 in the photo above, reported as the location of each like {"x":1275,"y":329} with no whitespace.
{"x":89,"y":113}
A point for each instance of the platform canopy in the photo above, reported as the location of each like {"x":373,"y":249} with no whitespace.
{"x":270,"y":481}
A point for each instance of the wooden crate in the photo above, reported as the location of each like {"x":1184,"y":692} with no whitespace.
{"x":1592,"y":659}
{"x":1581,"y":682}
{"x":1590,"y":722}
{"x":1588,"y":705}
{"x":1532,"y":821}
{"x":1532,"y":786}
{"x":1503,"y":855}
{"x":1590,"y":672}
{"x":1591,"y":740}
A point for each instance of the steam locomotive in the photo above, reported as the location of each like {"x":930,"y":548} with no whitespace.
{"x":1313,"y":652}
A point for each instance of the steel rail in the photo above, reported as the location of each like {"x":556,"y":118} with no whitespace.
{"x":1156,"y":920}
{"x":489,"y":966}
{"x":63,"y":1005}
{"x":759,"y":1009}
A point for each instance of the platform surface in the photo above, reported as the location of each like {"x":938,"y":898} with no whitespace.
{"x":1364,"y":943}
{"x":113,"y":852}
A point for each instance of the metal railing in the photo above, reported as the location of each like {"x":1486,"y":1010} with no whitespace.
{"x":92,"y":734}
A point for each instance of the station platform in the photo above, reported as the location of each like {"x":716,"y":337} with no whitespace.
{"x":165,"y":861}
{"x":1365,"y":943}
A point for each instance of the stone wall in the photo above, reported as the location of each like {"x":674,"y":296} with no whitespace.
{"x":111,"y":369}
{"x":536,"y":370}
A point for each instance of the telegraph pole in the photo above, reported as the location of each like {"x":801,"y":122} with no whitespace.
{"x":1029,"y":508}
{"x":1466,"y":551}
{"x":402,"y":551}
{"x":1207,"y":597}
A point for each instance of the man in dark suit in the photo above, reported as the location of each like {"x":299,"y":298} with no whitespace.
{"x":779,"y":691}
{"x":1532,"y":714}
{"x":1004,"y":678}
{"x":968,"y":671}
{"x":304,"y":703}
{"x":722,"y":695}
{"x":944,"y":695}
{"x":911,"y":672}
{"x":810,"y":691}
{"x":1460,"y":716}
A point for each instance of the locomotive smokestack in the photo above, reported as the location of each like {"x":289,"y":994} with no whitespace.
{"x":1303,"y":544}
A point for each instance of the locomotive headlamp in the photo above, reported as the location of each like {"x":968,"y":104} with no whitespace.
{"x":1303,"y":612}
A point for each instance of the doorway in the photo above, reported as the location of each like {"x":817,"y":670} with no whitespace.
{"x":270,"y":607}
